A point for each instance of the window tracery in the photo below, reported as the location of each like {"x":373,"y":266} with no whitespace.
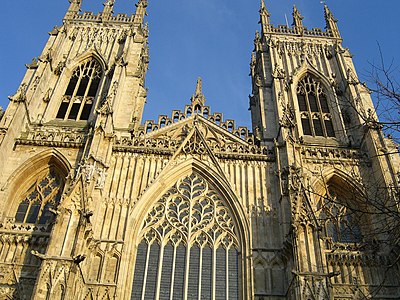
{"x":80,"y":94}
{"x":41,"y":197}
{"x":188,"y":247}
{"x":316,"y":119}
{"x":341,"y":223}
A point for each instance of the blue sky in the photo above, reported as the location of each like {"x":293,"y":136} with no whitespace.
{"x":208,"y":38}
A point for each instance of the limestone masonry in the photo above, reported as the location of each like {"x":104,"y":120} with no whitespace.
{"x":96,"y":203}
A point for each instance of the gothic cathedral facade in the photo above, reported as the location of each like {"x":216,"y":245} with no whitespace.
{"x":96,"y":203}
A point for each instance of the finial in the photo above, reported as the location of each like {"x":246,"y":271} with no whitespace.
{"x":331,"y":22}
{"x":297,"y":19}
{"x":74,"y":8}
{"x":198,"y":98}
{"x":140,"y":11}
{"x":199,"y":87}
{"x":257,"y":41}
{"x":108,"y":7}
{"x":264,"y":15}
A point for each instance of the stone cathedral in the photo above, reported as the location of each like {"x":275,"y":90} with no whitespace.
{"x":96,"y":203}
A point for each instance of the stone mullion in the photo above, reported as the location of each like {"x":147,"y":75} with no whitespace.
{"x":200,"y":271}
{"x":227,"y":273}
{"x":78,"y":116}
{"x":160,"y":267}
{"x":213,"y":272}
{"x":188,"y":244}
{"x":171,"y":295}
{"x":145,"y":271}
{"x":71,"y":101}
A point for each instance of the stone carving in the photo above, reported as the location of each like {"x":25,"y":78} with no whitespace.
{"x":101,"y":178}
{"x":211,"y":222}
{"x":20,"y":95}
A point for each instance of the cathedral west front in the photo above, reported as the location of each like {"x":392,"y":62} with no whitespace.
{"x":97,"y":203}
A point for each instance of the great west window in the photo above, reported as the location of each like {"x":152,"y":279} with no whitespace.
{"x":80,"y":94}
{"x":188,"y":247}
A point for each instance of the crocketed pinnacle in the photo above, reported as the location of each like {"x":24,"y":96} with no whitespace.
{"x":264,"y":14}
{"x":297,"y":18}
{"x":198,"y":98}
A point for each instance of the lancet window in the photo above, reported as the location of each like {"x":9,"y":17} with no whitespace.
{"x":341,"y":222}
{"x":188,"y":247}
{"x":42,"y":196}
{"x":80,"y":94}
{"x":316,"y":119}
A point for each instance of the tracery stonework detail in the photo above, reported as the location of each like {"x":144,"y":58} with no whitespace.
{"x":193,"y":213}
{"x":193,"y":233}
{"x":97,"y":203}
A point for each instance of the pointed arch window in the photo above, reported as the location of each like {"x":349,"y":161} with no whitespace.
{"x":188,"y":248}
{"x":42,"y":196}
{"x":341,"y":223}
{"x":316,"y":119}
{"x":81,"y":91}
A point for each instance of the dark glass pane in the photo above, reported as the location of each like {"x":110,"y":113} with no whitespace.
{"x":74,"y":111}
{"x":179,"y":272}
{"x":220,"y":276}
{"x":193,"y":286}
{"x":329,"y":128}
{"x":335,"y":233}
{"x":313,"y":102}
{"x":206,"y":279}
{"x":93,"y":87}
{"x":71,"y":86}
{"x":233,"y":263}
{"x":21,"y":212}
{"x":152,"y":271}
{"x":166,"y":273}
{"x":139,"y":271}
{"x":324,"y":103}
{"x":63,"y":110}
{"x":82,"y":86}
{"x":349,"y":231}
{"x":318,"y":127}
{"x":306,"y":126}
{"x":86,"y":111}
{"x":302,"y":102}
{"x":46,"y":216}
{"x":33,"y":212}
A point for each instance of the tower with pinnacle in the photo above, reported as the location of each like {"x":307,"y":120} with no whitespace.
{"x":96,"y":203}
{"x":335,"y":171}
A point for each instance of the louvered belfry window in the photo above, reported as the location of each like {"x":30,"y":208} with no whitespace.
{"x":80,"y":94}
{"x":188,"y":247}
{"x":43,"y":195}
{"x":316,"y":119}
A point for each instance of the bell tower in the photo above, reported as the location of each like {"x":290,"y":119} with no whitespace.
{"x":86,"y":87}
{"x":308,"y":103}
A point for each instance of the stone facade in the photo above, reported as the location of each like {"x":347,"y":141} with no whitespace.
{"x":96,"y":204}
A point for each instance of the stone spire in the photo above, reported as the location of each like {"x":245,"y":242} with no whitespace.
{"x":74,"y":8}
{"x":297,"y":20}
{"x":108,"y":7}
{"x":331,"y":22}
{"x":198,"y":98}
{"x":264,"y":14}
{"x":140,"y":11}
